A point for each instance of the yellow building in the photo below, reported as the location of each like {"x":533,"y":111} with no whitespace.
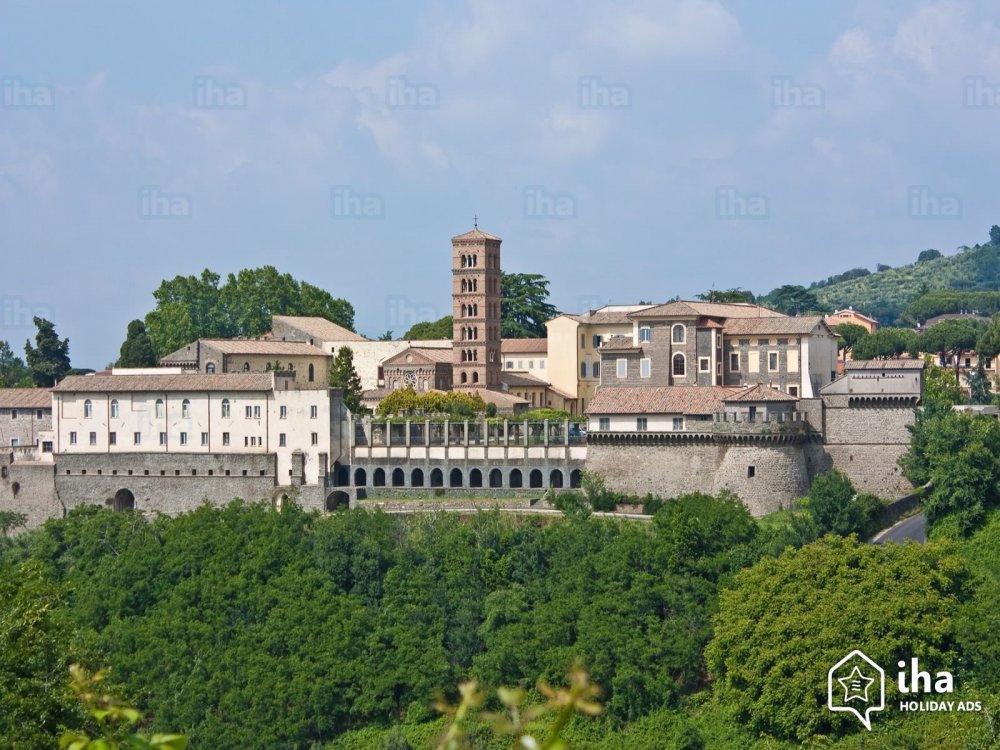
{"x":574,"y":362}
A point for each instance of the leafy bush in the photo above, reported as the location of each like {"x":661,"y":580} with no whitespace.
{"x":836,"y":506}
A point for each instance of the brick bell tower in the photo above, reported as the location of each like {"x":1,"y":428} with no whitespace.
{"x":475,"y":301}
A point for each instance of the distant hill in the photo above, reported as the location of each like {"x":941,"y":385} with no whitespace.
{"x":885,"y":294}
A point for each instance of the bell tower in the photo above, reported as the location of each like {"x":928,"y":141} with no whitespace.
{"x":475,"y":302}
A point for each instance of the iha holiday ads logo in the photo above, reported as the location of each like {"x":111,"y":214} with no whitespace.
{"x":856,"y":685}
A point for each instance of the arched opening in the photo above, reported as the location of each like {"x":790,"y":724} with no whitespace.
{"x":475,"y":377}
{"x":516,"y":481}
{"x":437,"y":478}
{"x":398,"y":477}
{"x":360,"y":478}
{"x":496,"y":478}
{"x":535,"y":479}
{"x":341,"y":476}
{"x":312,"y":373}
{"x":464,"y":377}
{"x":338,"y":500}
{"x":280,"y":501}
{"x":475,"y":478}
{"x":124,"y":500}
{"x":575,"y":478}
{"x":210,"y":368}
{"x":680,"y":365}
{"x":378,"y":478}
{"x":417,"y":478}
{"x":556,"y":479}
{"x":455,"y":478}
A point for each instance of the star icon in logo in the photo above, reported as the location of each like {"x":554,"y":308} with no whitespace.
{"x":856,"y":685}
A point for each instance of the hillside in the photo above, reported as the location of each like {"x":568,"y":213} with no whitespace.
{"x":884,"y":294}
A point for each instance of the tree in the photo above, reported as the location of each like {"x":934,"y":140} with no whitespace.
{"x":995,"y":235}
{"x":190,"y":307}
{"x":793,"y":299}
{"x":941,"y":387}
{"x":343,"y":375}
{"x":35,"y":642}
{"x":988,"y":344}
{"x":882,"y":267}
{"x":979,"y":385}
{"x":849,"y":334}
{"x":952,"y":338}
{"x":736,"y":294}
{"x":786,"y":620}
{"x":137,"y":349}
{"x":886,"y":343}
{"x":837,"y":507}
{"x":524,"y":307}
{"x":443,"y":328}
{"x":13,"y":372}
{"x":927,"y":255}
{"x":49,"y":358}
{"x":386,"y":336}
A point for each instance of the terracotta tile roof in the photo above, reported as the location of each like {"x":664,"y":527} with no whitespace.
{"x":522,"y":379}
{"x":319,"y":328}
{"x":689,"y":308}
{"x":475,"y":234}
{"x":501,"y":399}
{"x":25,"y":398}
{"x":885,"y":364}
{"x":270,"y":347}
{"x":796,"y":326}
{"x":620,"y":343}
{"x":695,"y":399}
{"x":849,"y":313}
{"x":610,"y":315}
{"x":525,"y":346}
{"x":757,"y":393}
{"x":190,"y":382}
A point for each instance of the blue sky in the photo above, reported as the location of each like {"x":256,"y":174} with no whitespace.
{"x":627,"y":150}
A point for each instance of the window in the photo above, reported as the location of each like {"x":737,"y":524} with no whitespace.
{"x":283,"y":412}
{"x":13,"y":413}
{"x":72,"y":438}
{"x":112,"y":438}
{"x":704,"y":365}
{"x":604,"y":423}
{"x":782,"y":342}
{"x":645,"y":334}
{"x":597,"y":341}
{"x":313,"y":411}
{"x":734,"y":362}
{"x":312,"y":373}
{"x":583,"y":341}
{"x":281,"y":440}
{"x":184,"y":438}
{"x":680,"y":365}
{"x":772,"y":361}
{"x":583,"y":369}
{"x":510,"y":364}
{"x":163,"y":438}
{"x":678,"y":423}
{"x":987,"y":364}
{"x":210,"y":368}
{"x":246,"y":442}
{"x":541,"y":366}
{"x":225,"y":408}
{"x":46,"y":446}
{"x":596,"y":369}
{"x":644,"y":368}
{"x":38,"y":412}
{"x":246,"y":367}
{"x":793,"y":390}
{"x":751,"y":472}
{"x":93,"y":438}
{"x":225,"y":438}
{"x":744,"y":342}
{"x":114,"y":408}
{"x":531,"y":364}
{"x":204,"y":438}
{"x":256,"y":412}
{"x":641,"y":425}
{"x":159,"y":408}
{"x":678,"y":334}
{"x":137,"y":438}
{"x":14,"y":442}
{"x":621,"y":368}
{"x":88,"y":410}
{"x":185,"y":408}
{"x":315,"y":438}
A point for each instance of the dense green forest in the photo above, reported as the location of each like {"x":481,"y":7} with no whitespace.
{"x":245,"y":627}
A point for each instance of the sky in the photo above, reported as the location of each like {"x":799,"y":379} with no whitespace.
{"x":633,"y":150}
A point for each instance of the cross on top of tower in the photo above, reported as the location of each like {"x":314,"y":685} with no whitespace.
{"x":475,"y":222}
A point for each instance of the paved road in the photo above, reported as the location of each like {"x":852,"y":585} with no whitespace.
{"x":914,"y":527}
